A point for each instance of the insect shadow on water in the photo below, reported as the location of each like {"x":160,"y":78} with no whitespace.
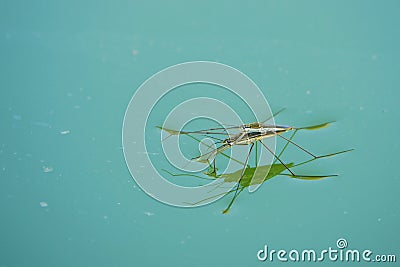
{"x":251,"y":134}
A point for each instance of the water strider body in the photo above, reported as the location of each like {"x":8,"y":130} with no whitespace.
{"x":249,"y":133}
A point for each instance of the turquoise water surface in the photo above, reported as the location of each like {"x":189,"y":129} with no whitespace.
{"x":70,"y":68}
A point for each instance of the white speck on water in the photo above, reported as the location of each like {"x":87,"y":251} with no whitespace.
{"x":379,"y":219}
{"x":89,"y":98}
{"x":308,"y":92}
{"x":148,"y":213}
{"x":118,"y":203}
{"x":108,"y":161}
{"x":345,"y":212}
{"x":69,"y":94}
{"x":135,"y":52}
{"x":43,"y":204}
{"x":47,"y":169}
{"x":4,"y":169}
{"x":361,"y":108}
{"x":77,"y":107}
{"x":105,"y":217}
{"x":374,"y":57}
{"x":65,"y":132}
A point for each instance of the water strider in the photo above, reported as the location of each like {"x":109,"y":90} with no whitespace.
{"x":251,"y":134}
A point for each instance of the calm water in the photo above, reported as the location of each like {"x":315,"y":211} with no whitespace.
{"x":68,"y":71}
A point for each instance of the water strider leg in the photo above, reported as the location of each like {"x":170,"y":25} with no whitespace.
{"x":256,"y":157}
{"x":289,"y":140}
{"x":295,"y":175}
{"x":215,"y":169}
{"x":240,"y":179}
{"x":300,"y":147}
{"x":285,"y":146}
{"x":270,"y":151}
{"x":233,"y":200}
{"x":245,"y":163}
{"x":212,"y":170}
{"x":273,"y":115}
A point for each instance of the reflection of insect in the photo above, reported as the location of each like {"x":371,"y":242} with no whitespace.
{"x":251,"y":134}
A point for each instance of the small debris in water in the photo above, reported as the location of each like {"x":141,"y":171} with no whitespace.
{"x":135,"y":52}
{"x":308,"y":92}
{"x":65,"y":132}
{"x":43,"y":204}
{"x":148,"y":213}
{"x":47,"y":169}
